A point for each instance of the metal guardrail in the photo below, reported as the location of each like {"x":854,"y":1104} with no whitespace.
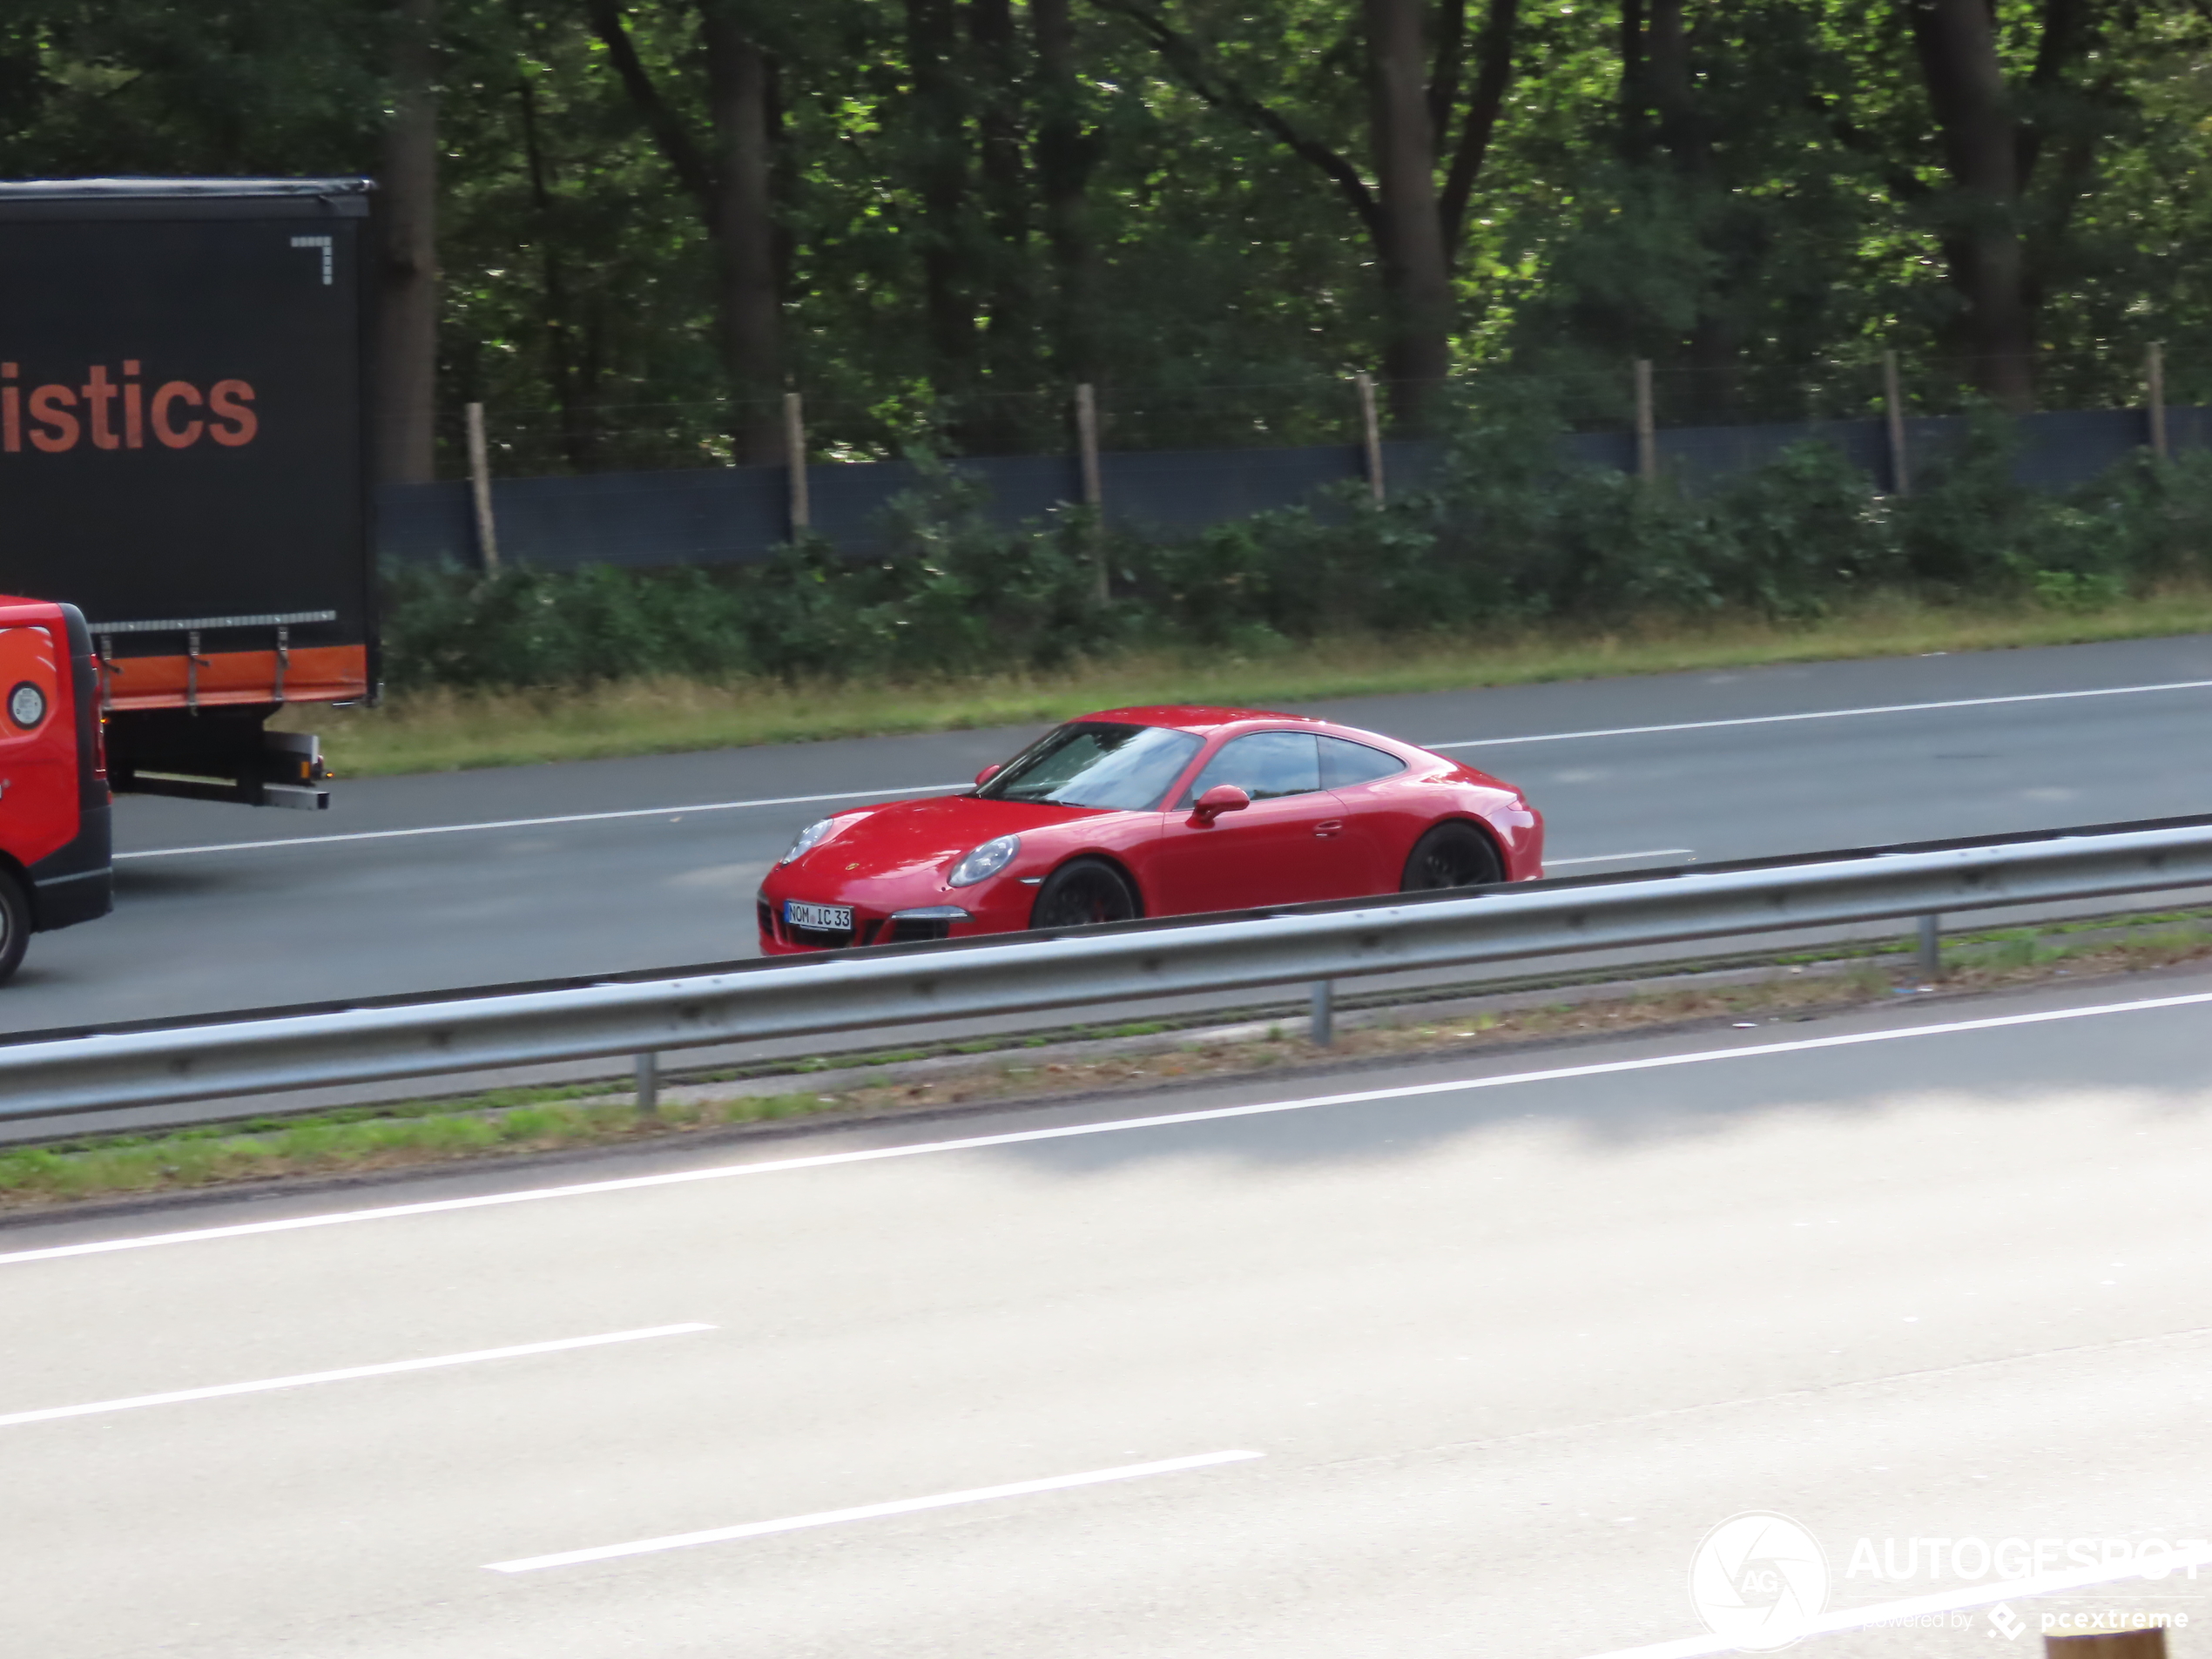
{"x":863,"y":989}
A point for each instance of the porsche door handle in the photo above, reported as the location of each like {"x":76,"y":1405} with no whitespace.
{"x":1328,"y":827}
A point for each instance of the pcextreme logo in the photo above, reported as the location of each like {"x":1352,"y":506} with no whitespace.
{"x":119,"y":414}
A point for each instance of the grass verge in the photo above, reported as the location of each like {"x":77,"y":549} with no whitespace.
{"x":368,"y":1140}
{"x":445,"y":730}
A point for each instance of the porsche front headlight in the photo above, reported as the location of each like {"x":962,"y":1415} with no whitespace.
{"x":808,"y":838}
{"x":986,"y":861}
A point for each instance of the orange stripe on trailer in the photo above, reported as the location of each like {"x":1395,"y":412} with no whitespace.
{"x":226,"y":679}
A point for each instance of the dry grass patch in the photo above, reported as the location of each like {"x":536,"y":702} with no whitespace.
{"x":405,"y":1138}
{"x":443,"y":731}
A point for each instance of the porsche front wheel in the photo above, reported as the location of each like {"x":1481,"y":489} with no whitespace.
{"x":1083,"y":893}
{"x":1452,"y":855}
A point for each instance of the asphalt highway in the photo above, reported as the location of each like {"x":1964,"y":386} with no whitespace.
{"x":1456,"y":1359}
{"x":415,"y":884}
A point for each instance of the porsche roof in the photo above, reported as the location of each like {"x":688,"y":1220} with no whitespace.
{"x":1193,"y":717}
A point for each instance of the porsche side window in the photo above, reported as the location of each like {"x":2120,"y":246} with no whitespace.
{"x":1123,"y":768}
{"x":1264,"y":766}
{"x":1344,"y":763}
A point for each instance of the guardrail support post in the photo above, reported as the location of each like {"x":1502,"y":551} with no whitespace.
{"x":648,"y":1085}
{"x":1321,"y":1029}
{"x":1931,"y":947}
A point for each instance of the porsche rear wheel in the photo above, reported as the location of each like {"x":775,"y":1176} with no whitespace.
{"x":15,"y":924}
{"x":1082,"y":894}
{"x":1452,"y":855}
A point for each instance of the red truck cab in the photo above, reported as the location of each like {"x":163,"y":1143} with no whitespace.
{"x":56,"y":843}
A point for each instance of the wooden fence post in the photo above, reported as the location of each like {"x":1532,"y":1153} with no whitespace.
{"x":802,"y":512}
{"x":1893,"y":408}
{"x":1094,"y":493}
{"x":2156,"y":375}
{"x":1370,"y":433}
{"x":1647,"y":433}
{"x":480,"y":491}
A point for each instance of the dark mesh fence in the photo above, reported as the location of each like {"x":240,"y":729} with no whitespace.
{"x":1171,"y":462}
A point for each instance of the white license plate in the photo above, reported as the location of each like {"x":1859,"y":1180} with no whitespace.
{"x":822,"y":918}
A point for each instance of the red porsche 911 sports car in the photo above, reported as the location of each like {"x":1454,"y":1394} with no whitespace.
{"x":1154,"y":812}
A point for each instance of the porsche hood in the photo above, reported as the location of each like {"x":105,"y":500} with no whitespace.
{"x":911,"y":837}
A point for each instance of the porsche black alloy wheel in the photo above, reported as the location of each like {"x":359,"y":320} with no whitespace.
{"x":1079,"y":894}
{"x":1451,"y":855}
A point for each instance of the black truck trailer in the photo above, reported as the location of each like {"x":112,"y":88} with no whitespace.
{"x":182,"y":458}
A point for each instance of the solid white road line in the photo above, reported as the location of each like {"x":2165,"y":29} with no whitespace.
{"x":1620,"y":858}
{"x":1168,"y":1120}
{"x":1823,"y":714}
{"x":869,"y":1512}
{"x":539,"y":823}
{"x":393,"y":1368}
{"x":1858,"y":1618}
{"x":932,"y":789}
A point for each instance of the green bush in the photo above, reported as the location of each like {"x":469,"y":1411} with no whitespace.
{"x":1507,"y":532}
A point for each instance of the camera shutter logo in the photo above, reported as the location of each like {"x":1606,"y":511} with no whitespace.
{"x":1756,"y":1579}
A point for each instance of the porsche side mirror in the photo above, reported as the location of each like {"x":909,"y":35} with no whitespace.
{"x":1222,"y":798}
{"x":987,"y":774}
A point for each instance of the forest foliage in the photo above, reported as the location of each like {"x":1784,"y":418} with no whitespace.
{"x":629,"y":227}
{"x":651,"y":217}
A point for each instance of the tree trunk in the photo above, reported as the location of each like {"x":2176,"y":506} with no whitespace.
{"x":1417,"y":291}
{"x":1717,"y":334}
{"x":784,"y":181}
{"x":1064,"y":160}
{"x":1000,"y":77}
{"x":942,"y":161}
{"x":1667,"y":85}
{"x":1981,"y":146}
{"x":404,"y":413}
{"x":560,"y":366}
{"x":732,"y":181}
{"x":1494,"y":74}
{"x":744,"y":224}
{"x":1635,"y":97}
{"x":1658,"y":99}
{"x":1447,"y":61}
{"x":1666,"y":135}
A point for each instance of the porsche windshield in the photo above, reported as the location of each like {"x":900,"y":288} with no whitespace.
{"x":1123,"y":768}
